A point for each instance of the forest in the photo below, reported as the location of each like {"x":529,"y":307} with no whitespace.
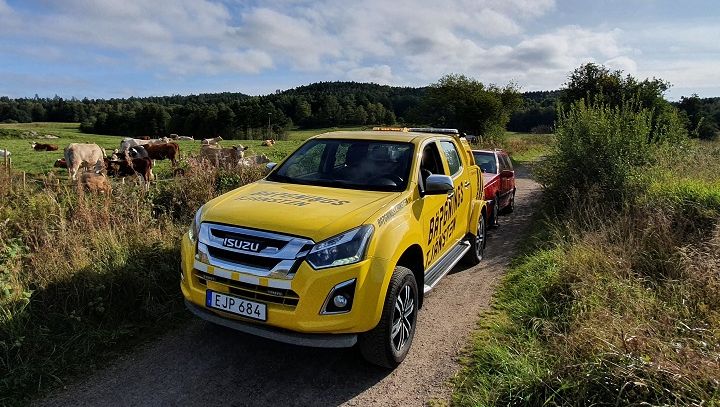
{"x":335,"y":104}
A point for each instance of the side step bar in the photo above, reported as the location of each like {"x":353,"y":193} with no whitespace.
{"x":444,"y":265}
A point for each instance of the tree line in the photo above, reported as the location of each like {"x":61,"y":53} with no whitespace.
{"x":454,"y":101}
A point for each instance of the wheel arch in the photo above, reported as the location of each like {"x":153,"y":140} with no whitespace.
{"x":412,"y":258}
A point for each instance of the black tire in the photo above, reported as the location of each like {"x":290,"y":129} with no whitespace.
{"x":478,"y":241}
{"x":379,"y":346}
{"x":511,"y":205}
{"x":495,"y":217}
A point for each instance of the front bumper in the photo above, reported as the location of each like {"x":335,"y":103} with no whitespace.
{"x":296,"y":322}
{"x":276,"y":334}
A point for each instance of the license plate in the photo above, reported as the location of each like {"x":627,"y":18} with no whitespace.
{"x":235,"y":305}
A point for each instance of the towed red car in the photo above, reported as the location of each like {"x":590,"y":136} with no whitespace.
{"x":499,"y":178}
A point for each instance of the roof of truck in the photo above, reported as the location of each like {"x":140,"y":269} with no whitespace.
{"x":380,"y":135}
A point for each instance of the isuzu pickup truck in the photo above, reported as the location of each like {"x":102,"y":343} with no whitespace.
{"x":340,"y":242}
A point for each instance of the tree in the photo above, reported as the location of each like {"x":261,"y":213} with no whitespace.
{"x":460,"y":102}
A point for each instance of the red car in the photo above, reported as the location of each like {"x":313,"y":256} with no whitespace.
{"x":499,"y":178}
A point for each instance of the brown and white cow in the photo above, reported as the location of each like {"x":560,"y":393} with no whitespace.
{"x":83,"y":155}
{"x":44,"y":147}
{"x":268,"y":142}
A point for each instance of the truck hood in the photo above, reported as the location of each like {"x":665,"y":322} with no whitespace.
{"x":303,"y":210}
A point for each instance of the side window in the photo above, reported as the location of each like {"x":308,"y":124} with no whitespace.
{"x":430,"y":162}
{"x":509,"y":162}
{"x":453,"y":158}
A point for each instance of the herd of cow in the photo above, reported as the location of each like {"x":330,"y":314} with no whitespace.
{"x":136,"y":157}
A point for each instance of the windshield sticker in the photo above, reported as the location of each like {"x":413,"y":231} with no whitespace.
{"x":287,"y":198}
{"x":392,"y":212}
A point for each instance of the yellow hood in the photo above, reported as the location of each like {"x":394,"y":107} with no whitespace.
{"x":303,"y":210}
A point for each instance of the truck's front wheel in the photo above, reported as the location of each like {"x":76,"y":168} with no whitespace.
{"x":389,"y":342}
{"x":477,"y":243}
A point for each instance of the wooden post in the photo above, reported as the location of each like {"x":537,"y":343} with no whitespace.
{"x":24,"y":181}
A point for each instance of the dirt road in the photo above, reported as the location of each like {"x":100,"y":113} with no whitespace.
{"x":203,"y":364}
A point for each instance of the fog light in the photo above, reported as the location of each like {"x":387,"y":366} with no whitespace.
{"x":340,"y":301}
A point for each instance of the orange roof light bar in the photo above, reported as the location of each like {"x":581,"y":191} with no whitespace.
{"x":402,"y":129}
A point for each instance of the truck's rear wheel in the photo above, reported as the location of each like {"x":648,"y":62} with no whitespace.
{"x":477,"y":243}
{"x":389,"y":342}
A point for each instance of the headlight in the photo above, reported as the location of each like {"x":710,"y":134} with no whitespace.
{"x":345,"y":248}
{"x":195,"y":225}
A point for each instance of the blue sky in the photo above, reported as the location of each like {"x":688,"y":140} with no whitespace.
{"x":111,"y":48}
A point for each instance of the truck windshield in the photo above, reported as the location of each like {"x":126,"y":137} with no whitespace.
{"x":352,"y":164}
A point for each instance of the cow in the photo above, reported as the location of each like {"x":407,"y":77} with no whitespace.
{"x":187,"y":138}
{"x":48,"y":136}
{"x":44,"y":147}
{"x":211,"y":141}
{"x":254,"y":160}
{"x":85,"y":155}
{"x":141,"y":167}
{"x":228,"y":156}
{"x":60,"y":163}
{"x":268,"y":143}
{"x":4,"y":153}
{"x":137,"y":152}
{"x":126,"y":143}
{"x":163,"y":151}
{"x":96,"y":183}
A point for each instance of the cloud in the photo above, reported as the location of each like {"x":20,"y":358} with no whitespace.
{"x":403,"y":42}
{"x":380,"y":74}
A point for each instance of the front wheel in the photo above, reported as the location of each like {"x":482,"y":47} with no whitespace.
{"x":477,"y":243}
{"x":389,"y":342}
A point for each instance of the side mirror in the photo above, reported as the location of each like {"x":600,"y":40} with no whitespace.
{"x":507,"y":174}
{"x":437,"y":184}
{"x":270,"y":166}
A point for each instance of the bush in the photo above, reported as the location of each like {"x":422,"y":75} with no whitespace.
{"x":542,"y":129}
{"x":602,"y":147}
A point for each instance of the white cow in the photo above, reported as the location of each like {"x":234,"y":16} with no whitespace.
{"x":227,"y":156}
{"x":254,"y":160}
{"x":4,"y":153}
{"x":83,"y":155}
{"x":134,"y":142}
{"x":211,"y":141}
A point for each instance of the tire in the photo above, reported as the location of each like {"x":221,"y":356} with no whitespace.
{"x":511,"y":205}
{"x":477,"y":243}
{"x":380,"y":346}
{"x":495,"y":217}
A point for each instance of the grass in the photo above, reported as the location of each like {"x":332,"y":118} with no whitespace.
{"x":612,"y":305}
{"x":84,"y":278}
{"x":523,"y":148}
{"x":24,"y":158}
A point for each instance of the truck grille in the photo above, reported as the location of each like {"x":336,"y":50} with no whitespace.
{"x":252,"y":291}
{"x":255,"y":252}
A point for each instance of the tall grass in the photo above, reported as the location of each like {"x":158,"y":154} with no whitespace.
{"x":83,"y":277}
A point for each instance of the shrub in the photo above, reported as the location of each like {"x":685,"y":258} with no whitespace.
{"x":602,"y":147}
{"x":542,"y":129}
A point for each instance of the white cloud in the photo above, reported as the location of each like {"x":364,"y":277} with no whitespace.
{"x":403,"y":42}
{"x":380,"y":74}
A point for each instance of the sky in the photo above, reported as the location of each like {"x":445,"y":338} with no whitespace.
{"x":122,"y":48}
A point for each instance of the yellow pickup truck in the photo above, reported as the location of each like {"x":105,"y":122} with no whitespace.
{"x":340,"y":242}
